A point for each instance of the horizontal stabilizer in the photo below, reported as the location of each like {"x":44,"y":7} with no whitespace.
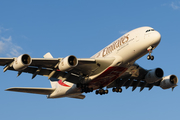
{"x":43,"y":91}
{"x":78,"y":97}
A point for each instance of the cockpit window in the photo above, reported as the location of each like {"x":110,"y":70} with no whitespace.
{"x":150,"y":30}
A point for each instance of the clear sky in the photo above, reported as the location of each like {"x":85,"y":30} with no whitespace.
{"x":82,"y":28}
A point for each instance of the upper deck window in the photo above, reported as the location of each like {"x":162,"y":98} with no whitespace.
{"x":150,"y":30}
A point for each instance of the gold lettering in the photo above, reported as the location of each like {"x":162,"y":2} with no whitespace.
{"x":103,"y":53}
{"x":110,"y":49}
{"x":114,"y":45}
{"x":125,"y":39}
{"x":98,"y":54}
{"x":117,"y":44}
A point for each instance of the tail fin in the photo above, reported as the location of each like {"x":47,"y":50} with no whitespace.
{"x":48,"y":55}
{"x":53,"y":81}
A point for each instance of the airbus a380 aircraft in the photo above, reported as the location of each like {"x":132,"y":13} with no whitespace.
{"x":112,"y":67}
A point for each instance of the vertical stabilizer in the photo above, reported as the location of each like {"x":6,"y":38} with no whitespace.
{"x":53,"y":81}
{"x":48,"y":55}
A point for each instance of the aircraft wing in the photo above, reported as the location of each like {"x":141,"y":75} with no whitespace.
{"x":46,"y":62}
{"x":49,"y":67}
{"x":134,"y":77}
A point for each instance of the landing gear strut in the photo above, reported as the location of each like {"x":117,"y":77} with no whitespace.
{"x":150,"y":57}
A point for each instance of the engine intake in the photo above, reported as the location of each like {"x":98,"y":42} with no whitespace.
{"x":154,"y":75}
{"x":22,"y":62}
{"x":169,"y":82}
{"x":68,"y":63}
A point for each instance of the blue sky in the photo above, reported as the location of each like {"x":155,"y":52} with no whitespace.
{"x":82,"y":28}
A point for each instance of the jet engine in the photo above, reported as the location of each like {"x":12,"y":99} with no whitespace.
{"x":154,"y":75}
{"x":169,"y":82}
{"x":22,"y":62}
{"x":68,"y":63}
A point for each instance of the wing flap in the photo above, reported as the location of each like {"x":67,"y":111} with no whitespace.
{"x":44,"y":62}
{"x":43,"y":91}
{"x":90,"y":66}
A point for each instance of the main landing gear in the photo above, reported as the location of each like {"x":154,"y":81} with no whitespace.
{"x":117,"y":90}
{"x":150,"y":57}
{"x":84,"y":88}
{"x":101,"y":92}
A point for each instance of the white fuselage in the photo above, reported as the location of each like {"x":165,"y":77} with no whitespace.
{"x":126,"y":50}
{"x":132,"y":45}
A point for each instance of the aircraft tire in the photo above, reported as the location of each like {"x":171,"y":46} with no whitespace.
{"x":152,"y":57}
{"x":148,"y":57}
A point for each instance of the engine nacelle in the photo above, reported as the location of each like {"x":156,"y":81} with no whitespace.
{"x":154,"y":75}
{"x":22,"y":62}
{"x":68,"y":63}
{"x":169,"y":82}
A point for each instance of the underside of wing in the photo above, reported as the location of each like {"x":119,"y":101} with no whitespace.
{"x":43,"y":91}
{"x":134,"y":77}
{"x":5,"y":61}
{"x":91,"y":66}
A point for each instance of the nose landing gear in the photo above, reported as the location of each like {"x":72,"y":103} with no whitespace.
{"x":150,"y":57}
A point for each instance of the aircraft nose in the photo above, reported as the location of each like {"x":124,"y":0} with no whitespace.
{"x":156,"y":38}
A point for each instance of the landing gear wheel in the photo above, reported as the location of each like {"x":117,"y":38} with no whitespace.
{"x":84,"y":88}
{"x":117,"y":90}
{"x":101,"y":91}
{"x":120,"y":90}
{"x":148,"y":57}
{"x":97,"y":92}
{"x":106,"y":91}
{"x":114,"y":89}
{"x":152,"y":57}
